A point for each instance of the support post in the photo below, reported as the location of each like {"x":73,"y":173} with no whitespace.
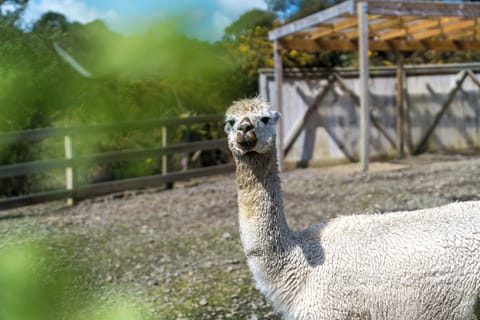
{"x":164,"y":144}
{"x":400,"y":117}
{"x":263,"y":86}
{"x":69,"y":174}
{"x":279,"y":96}
{"x":364,"y":86}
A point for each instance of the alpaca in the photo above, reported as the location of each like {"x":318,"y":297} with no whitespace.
{"x":423,"y":264}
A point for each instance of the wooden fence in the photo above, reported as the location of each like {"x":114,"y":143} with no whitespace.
{"x":71,"y":162}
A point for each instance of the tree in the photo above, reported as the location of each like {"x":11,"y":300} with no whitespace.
{"x":51,"y":22}
{"x":246,"y":40}
{"x":282,"y":7}
{"x":28,"y":97}
{"x":9,"y":17}
{"x":249,"y":20}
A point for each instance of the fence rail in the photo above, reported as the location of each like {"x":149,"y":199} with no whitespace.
{"x":43,"y":133}
{"x":71,"y":163}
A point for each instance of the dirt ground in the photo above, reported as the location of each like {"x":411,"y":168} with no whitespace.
{"x":179,"y":250}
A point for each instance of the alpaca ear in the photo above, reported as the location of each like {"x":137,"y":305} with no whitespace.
{"x":274,"y":116}
{"x":229,"y":123}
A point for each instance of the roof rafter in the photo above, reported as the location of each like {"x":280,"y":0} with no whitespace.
{"x":392,"y":25}
{"x":379,"y":45}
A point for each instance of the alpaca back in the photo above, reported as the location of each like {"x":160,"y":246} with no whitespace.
{"x":403,"y":265}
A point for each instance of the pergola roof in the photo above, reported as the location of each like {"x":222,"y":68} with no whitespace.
{"x":392,"y":26}
{"x":360,"y":25}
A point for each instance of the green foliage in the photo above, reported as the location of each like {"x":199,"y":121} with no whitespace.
{"x":159,"y":73}
{"x":28,"y":92}
{"x":155,"y":74}
{"x":146,"y":75}
{"x":247,"y":41}
{"x":250,"y":20}
{"x":38,"y":283}
{"x":253,"y":51}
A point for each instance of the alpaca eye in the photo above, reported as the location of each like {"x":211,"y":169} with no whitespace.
{"x":231,"y":122}
{"x":265,"y":119}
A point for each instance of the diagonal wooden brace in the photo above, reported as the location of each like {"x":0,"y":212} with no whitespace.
{"x":356,"y":101}
{"x":461,"y":78}
{"x":312,"y":107}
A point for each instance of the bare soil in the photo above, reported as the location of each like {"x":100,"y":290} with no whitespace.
{"x":179,"y":250}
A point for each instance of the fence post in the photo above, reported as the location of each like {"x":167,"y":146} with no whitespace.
{"x":185,"y":156}
{"x":69,"y":174}
{"x":164,"y":157}
{"x":169,"y":184}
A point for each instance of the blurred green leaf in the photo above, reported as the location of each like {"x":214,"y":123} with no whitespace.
{"x":37,"y":283}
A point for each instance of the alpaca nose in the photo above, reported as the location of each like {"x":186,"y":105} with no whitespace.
{"x":245,"y":127}
{"x":246,"y":137}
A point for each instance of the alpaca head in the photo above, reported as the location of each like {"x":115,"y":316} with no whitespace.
{"x":250,"y":126}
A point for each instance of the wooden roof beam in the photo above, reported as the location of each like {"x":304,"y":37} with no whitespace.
{"x":309,"y":21}
{"x":460,"y":35}
{"x":350,"y":34}
{"x":338,"y":45}
{"x":443,"y":29}
{"x":320,"y":32}
{"x":338,"y":28}
{"x":332,"y":45}
{"x":424,"y":26}
{"x":425,"y":34}
{"x":441,"y":45}
{"x":378,"y":45}
{"x":378,"y":28}
{"x":468,"y":45}
{"x":345,"y":23}
{"x":406,"y":45}
{"x":447,"y":20}
{"x":347,"y":28}
{"x":389,"y":22}
{"x":319,"y":45}
{"x":392,"y":33}
{"x":326,"y":29}
{"x":421,"y":24}
{"x":384,"y":24}
{"x":300,"y":44}
{"x":462,"y":24}
{"x":424,"y":9}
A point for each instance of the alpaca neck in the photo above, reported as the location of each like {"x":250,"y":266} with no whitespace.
{"x":263,"y":226}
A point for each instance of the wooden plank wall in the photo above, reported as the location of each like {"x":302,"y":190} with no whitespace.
{"x":331,"y":134}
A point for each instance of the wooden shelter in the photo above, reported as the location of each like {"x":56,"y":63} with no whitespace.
{"x":363,"y":26}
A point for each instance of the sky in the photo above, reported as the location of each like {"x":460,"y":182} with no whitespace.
{"x":207,"y":18}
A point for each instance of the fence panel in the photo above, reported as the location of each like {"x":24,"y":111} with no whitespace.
{"x":72,"y":162}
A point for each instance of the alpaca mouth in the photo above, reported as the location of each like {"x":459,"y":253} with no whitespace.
{"x":246,"y":141}
{"x":247,"y":145}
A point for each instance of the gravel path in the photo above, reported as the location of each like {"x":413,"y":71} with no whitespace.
{"x":179,"y":251}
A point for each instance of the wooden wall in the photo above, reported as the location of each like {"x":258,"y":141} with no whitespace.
{"x":324,"y":103}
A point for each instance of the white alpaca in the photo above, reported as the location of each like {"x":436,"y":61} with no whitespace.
{"x":404,"y":265}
